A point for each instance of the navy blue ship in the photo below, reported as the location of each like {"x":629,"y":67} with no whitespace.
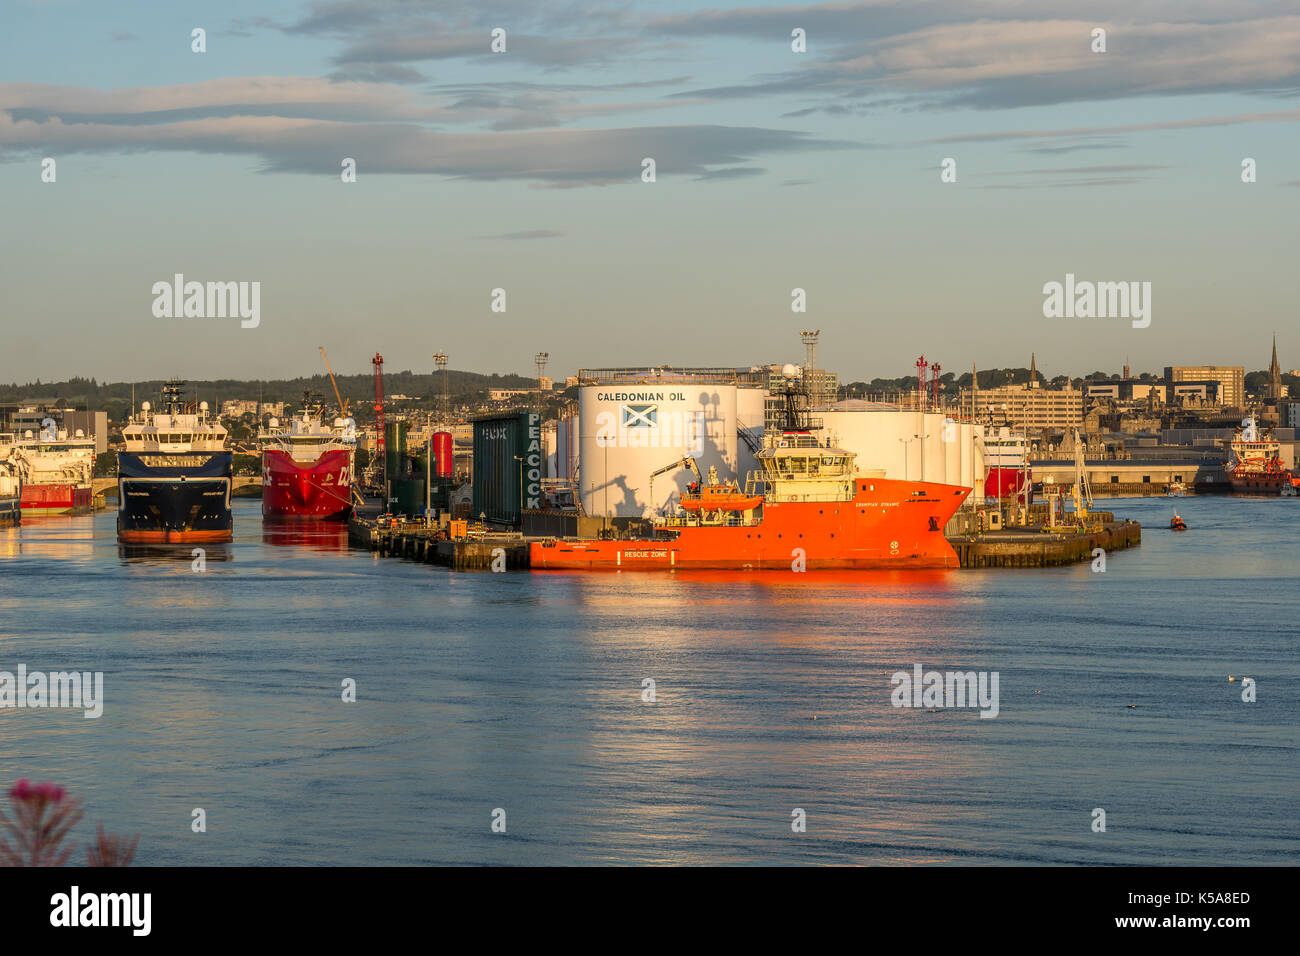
{"x":175,"y":476}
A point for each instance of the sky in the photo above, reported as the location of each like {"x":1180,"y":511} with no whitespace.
{"x":522,"y":170}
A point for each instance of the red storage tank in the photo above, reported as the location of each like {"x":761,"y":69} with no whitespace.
{"x":444,"y":460}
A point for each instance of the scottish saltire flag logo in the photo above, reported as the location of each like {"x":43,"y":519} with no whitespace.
{"x":640,"y":416}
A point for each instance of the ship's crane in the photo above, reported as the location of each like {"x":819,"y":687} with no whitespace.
{"x":343,"y":406}
{"x":1082,"y":491}
{"x":380,"y":447}
{"x":687,"y":462}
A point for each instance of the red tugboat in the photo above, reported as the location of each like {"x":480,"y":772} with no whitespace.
{"x":1255,"y":467}
{"x":807,"y":505}
{"x":308,"y":466}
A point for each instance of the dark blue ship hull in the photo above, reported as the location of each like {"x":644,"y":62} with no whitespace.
{"x":174,"y":498}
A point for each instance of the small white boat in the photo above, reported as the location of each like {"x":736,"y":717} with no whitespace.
{"x":1174,"y":490}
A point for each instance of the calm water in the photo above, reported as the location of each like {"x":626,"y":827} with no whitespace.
{"x":523,"y":691}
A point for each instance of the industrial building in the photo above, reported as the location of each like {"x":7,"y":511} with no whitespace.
{"x":631,"y":423}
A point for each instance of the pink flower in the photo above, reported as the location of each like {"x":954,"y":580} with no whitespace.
{"x":24,"y":791}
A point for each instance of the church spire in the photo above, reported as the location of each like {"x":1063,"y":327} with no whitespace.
{"x":1274,"y":374}
{"x":1033,"y":370}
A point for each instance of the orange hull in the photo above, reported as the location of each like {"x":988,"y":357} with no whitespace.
{"x":888,"y":524}
{"x":174,"y":537}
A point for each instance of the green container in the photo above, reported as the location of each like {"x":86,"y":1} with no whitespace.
{"x":407,"y":495}
{"x":508,"y":463}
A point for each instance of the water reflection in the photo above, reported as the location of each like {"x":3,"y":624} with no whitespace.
{"x":175,"y":553}
{"x":323,"y":537}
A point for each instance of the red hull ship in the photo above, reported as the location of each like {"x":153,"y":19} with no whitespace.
{"x":1255,"y":467}
{"x":886,"y":524}
{"x":806,"y":507}
{"x":1009,"y":474}
{"x":55,"y":499}
{"x":319,"y":490}
{"x":308,"y":467}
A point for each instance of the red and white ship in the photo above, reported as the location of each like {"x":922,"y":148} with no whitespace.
{"x":1255,"y":466}
{"x":55,"y":469}
{"x":1009,"y":474}
{"x":11,"y":487}
{"x":308,"y":467}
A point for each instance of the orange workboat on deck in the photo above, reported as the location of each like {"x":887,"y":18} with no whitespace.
{"x":808,"y":506}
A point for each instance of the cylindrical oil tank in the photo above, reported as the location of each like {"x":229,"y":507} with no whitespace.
{"x":395,"y":448}
{"x":444,"y":463}
{"x":628,"y":432}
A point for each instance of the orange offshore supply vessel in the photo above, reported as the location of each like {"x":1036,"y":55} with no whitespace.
{"x":807,"y":502}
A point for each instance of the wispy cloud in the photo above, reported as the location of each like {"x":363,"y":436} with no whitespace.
{"x":310,"y":124}
{"x":526,"y":234}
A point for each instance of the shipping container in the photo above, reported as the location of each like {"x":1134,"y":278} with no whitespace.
{"x":507,"y":466}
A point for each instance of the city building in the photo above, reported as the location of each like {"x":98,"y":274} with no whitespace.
{"x":1207,"y":392}
{"x":1029,"y":407}
{"x":1121,"y":390}
{"x":1231,"y":380}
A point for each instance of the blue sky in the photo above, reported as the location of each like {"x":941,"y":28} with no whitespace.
{"x":522,"y":170}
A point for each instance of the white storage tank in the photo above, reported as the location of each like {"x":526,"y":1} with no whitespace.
{"x":636,"y":421}
{"x":909,"y":444}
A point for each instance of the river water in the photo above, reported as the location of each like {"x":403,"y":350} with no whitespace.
{"x":523,"y":692}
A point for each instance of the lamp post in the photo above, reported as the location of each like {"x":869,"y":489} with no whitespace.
{"x":904,"y":442}
{"x":922,"y":439}
{"x":1024,"y":459}
{"x":519,"y":458}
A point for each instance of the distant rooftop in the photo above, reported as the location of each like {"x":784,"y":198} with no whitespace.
{"x":670,"y":373}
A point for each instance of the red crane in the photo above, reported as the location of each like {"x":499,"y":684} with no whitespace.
{"x":921,"y":366}
{"x":934,"y":384}
{"x":380,"y":448}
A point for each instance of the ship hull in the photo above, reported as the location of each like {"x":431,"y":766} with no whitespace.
{"x":1261,"y":482}
{"x":1008,"y":483}
{"x":55,"y":498}
{"x":316,"y":491}
{"x":888,"y":524}
{"x":174,"y":499}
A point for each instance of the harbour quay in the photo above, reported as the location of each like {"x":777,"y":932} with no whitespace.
{"x":979,"y":540}
{"x":1035,"y":545}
